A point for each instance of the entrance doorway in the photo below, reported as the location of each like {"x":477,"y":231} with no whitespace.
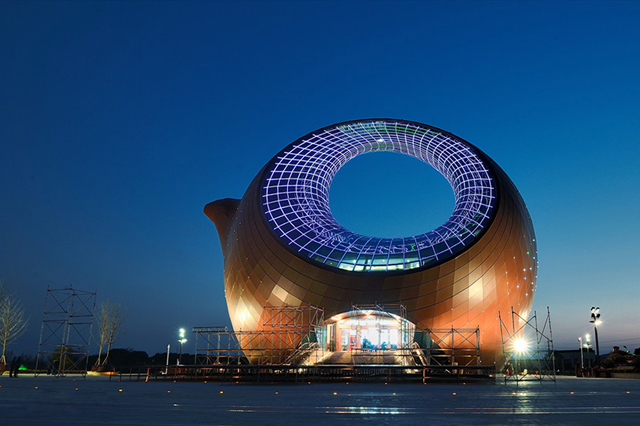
{"x":370,"y":330}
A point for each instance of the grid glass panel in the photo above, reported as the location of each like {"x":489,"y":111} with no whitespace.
{"x":295,"y":195}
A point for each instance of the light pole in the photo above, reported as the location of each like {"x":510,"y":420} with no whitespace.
{"x":182,"y":340}
{"x":595,"y":320}
{"x":581,"y":354}
{"x":166,"y":369}
{"x":587,"y":338}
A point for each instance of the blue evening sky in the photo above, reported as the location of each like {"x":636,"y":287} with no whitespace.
{"x":120,"y":120}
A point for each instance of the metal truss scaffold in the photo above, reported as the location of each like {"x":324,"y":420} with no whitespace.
{"x":445,"y":347}
{"x":65,"y":335}
{"x":449,"y":347}
{"x":521,"y":361}
{"x":289,"y":335}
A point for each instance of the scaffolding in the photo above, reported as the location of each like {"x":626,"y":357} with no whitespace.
{"x":295,"y":339}
{"x":448,"y":347}
{"x":216,"y":345}
{"x":65,"y":334}
{"x":445,"y":347}
{"x":522,"y":363}
{"x":290,"y":335}
{"x":294,"y":344}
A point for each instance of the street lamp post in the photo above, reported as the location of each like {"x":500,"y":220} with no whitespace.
{"x":587,"y":338}
{"x":595,"y":320}
{"x":581,"y":354}
{"x":166,"y":370}
{"x":182,"y":340}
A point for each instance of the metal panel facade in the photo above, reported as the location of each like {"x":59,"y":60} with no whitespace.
{"x":279,"y":252}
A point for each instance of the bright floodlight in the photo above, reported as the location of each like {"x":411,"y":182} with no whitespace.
{"x":520,"y":345}
{"x":595,"y":315}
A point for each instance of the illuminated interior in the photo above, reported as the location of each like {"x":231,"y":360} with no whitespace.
{"x":368,"y":330}
{"x":295,"y":196}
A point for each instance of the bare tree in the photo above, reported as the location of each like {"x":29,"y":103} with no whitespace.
{"x":110,"y":318}
{"x":12,"y":321}
{"x":4,"y":293}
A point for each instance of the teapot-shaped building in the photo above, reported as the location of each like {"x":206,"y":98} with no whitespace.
{"x":283,"y":247}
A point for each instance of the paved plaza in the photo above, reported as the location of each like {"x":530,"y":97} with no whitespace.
{"x":47,"y":400}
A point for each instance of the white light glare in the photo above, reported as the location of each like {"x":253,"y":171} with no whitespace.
{"x":520,"y":345}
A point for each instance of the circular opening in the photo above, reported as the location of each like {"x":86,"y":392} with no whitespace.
{"x":297,"y":187}
{"x":390,"y":195}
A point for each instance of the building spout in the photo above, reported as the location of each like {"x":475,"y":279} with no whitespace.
{"x":222,"y":213}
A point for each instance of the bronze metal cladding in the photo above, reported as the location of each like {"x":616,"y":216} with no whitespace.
{"x":281,"y":245}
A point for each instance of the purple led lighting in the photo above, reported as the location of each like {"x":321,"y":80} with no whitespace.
{"x":295,"y":195}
